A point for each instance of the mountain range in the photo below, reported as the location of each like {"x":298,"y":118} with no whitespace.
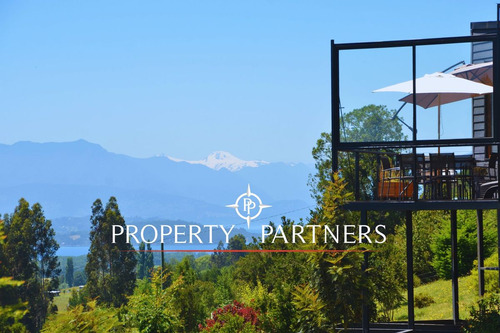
{"x":67,"y":177}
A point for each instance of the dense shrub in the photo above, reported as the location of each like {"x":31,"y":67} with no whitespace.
{"x":78,"y":297}
{"x":423,"y":300}
{"x":486,"y":317}
{"x":89,"y":318}
{"x":490,"y":277}
{"x":235,"y":317}
{"x":152,"y":308}
{"x":467,"y":238}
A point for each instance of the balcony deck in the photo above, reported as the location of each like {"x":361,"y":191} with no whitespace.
{"x":389,"y":205}
{"x":413,"y":175}
{"x":431,"y":326}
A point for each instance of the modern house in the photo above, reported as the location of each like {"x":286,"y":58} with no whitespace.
{"x":413,"y":174}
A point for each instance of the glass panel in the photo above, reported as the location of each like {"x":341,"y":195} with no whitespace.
{"x":361,"y":73}
{"x":460,"y":115}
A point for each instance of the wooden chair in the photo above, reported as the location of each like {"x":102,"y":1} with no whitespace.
{"x":442,"y":176}
{"x":389,"y":186}
{"x":492,"y":168}
{"x":465,"y":179}
{"x":485,"y":175}
{"x":406,"y":164}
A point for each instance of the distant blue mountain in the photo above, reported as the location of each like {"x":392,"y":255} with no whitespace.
{"x":67,"y":177}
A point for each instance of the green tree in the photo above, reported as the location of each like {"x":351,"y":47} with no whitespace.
{"x":332,"y":296}
{"x":30,"y":249}
{"x":221,"y":259}
{"x":155,"y":309}
{"x":46,"y":259}
{"x":19,"y":250}
{"x":266,"y":281}
{"x":141,"y":261}
{"x":145,"y":261}
{"x":12,"y":309}
{"x":70,"y":272}
{"x":466,"y":243}
{"x":370,"y":123}
{"x":97,"y":266}
{"x":193,"y":296}
{"x":273,"y":269}
{"x":237,"y":242}
{"x":277,"y":313}
{"x":149,"y":261}
{"x":110,"y":267}
{"x":19,"y":247}
{"x":80,"y":278}
{"x":185,"y":268}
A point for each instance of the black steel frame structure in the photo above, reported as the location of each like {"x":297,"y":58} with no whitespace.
{"x":416,"y":203}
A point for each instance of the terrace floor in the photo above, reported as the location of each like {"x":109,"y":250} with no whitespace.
{"x":389,"y":205}
{"x":432,"y":326}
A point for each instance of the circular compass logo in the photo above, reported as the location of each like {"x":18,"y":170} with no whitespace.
{"x":250,"y":201}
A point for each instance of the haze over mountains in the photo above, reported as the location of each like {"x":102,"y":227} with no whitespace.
{"x":67,"y":177}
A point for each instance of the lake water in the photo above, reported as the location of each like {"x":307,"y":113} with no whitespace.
{"x":73,"y":251}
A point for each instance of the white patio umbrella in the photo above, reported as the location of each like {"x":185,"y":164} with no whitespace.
{"x":482,"y":73}
{"x":437,"y":89}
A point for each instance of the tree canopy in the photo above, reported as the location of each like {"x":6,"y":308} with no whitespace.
{"x":29,"y":251}
{"x":369,"y":123}
{"x":110,"y":267}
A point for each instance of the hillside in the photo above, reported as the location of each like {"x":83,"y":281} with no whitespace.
{"x":440,"y":291}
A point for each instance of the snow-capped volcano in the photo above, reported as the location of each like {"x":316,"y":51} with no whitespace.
{"x":221,"y":159}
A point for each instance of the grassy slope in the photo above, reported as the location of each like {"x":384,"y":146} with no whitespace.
{"x":62,"y":300}
{"x":441,"y":293}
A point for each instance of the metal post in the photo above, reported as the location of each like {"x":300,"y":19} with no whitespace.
{"x":498,"y":243}
{"x":162,"y":258}
{"x":335,"y":105}
{"x":356,"y":176}
{"x":454,"y":266}
{"x":377,"y":182}
{"x":496,"y":121}
{"x":409,"y":269}
{"x":414,"y":134}
{"x":162,"y":263}
{"x":498,"y":17}
{"x":365,"y":310}
{"x":480,"y":252}
{"x":496,"y":96}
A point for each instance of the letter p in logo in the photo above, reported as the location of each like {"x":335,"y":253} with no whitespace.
{"x":248,"y":205}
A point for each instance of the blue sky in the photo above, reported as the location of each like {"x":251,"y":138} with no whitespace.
{"x":185,"y":78}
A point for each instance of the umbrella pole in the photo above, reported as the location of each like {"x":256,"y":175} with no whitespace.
{"x":439,"y":122}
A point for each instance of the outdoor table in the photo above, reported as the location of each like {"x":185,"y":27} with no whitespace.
{"x":460,"y":180}
{"x":455,"y":181}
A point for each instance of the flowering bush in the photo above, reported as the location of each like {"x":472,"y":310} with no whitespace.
{"x":235,"y":317}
